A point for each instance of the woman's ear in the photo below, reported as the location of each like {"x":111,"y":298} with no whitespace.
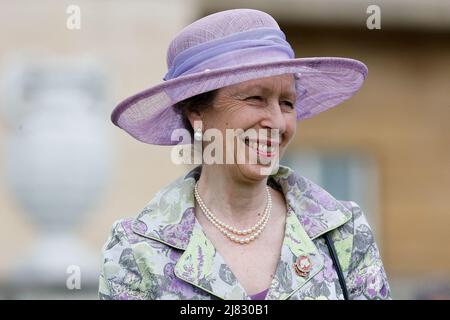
{"x":194,"y":117}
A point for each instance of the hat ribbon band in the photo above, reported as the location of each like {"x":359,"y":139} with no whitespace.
{"x":189,"y":60}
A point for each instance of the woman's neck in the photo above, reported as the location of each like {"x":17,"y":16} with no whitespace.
{"x":229,"y":197}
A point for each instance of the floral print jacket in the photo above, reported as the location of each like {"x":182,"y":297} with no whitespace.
{"x":164,"y":254}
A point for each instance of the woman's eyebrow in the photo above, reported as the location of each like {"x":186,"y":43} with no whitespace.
{"x":264,"y":89}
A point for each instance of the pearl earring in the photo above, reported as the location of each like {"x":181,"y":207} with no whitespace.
{"x":198,"y":134}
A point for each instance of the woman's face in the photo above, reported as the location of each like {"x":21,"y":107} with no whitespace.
{"x":265,"y":103}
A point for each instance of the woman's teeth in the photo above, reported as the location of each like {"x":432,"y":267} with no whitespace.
{"x":261,"y":147}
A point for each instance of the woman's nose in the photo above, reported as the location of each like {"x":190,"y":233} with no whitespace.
{"x":275,"y":118}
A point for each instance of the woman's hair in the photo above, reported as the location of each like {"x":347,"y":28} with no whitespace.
{"x":196,"y":103}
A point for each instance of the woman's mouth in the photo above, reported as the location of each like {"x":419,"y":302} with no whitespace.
{"x":263,"y":148}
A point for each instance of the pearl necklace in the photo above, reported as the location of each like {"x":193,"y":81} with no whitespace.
{"x":230,"y":231}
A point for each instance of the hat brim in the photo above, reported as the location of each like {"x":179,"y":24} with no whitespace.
{"x":322,"y":83}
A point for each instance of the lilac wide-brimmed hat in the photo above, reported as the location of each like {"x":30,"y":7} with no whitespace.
{"x":226,"y":48}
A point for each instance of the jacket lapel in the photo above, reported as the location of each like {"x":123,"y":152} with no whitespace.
{"x":317,"y":210}
{"x":296,"y":243}
{"x":311,"y":212}
{"x":169,"y":218}
{"x":202,"y":266}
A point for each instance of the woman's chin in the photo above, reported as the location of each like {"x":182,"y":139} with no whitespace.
{"x":257,"y":171}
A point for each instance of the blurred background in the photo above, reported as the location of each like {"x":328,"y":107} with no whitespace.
{"x":67,"y":173}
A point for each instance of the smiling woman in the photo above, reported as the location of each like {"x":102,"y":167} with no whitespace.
{"x":267,"y":123}
{"x":237,"y":230}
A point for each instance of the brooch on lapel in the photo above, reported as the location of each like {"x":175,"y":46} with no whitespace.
{"x":302,"y":266}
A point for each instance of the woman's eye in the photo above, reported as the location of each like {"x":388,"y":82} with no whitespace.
{"x":290,"y":104}
{"x":254,"y":98}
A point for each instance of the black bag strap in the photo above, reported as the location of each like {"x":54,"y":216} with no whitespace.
{"x":334,"y":257}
